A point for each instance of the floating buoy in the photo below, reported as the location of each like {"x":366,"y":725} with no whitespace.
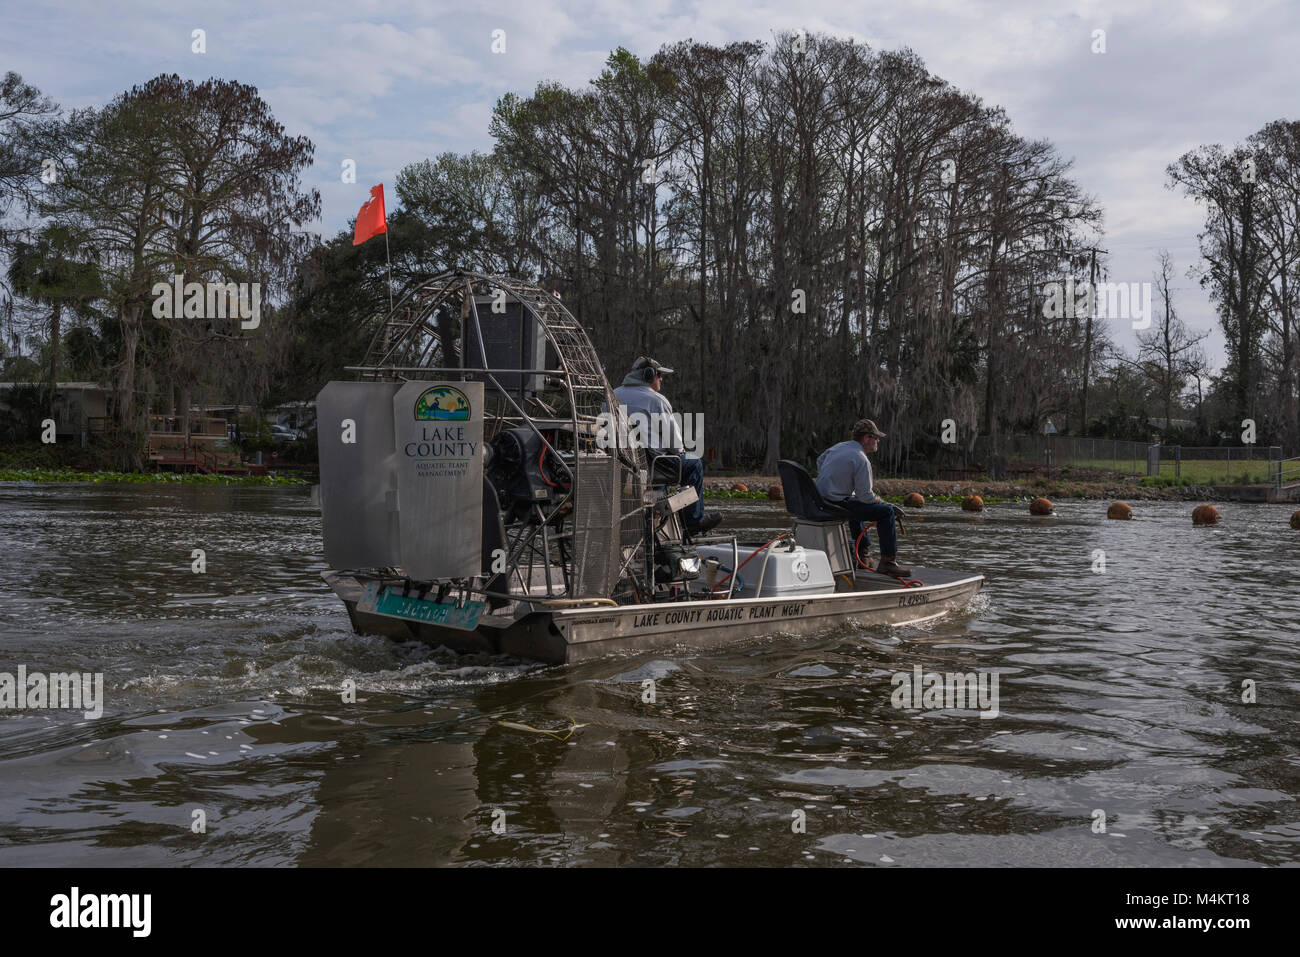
{"x":775,"y":493}
{"x":740,"y":487}
{"x":914,"y":500}
{"x":972,"y":503}
{"x":1205,"y":515}
{"x":1295,"y":519}
{"x":1119,"y":510}
{"x":1040,"y":506}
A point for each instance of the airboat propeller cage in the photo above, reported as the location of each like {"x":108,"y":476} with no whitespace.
{"x":461,"y":360}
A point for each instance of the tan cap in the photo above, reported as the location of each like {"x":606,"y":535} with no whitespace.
{"x":866,"y":427}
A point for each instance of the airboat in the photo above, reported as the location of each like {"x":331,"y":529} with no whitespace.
{"x":481,"y":488}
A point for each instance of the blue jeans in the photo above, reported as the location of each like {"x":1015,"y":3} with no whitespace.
{"x":881,"y":513}
{"x":692,"y":474}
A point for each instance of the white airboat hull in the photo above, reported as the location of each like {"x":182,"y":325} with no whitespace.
{"x":568,"y":635}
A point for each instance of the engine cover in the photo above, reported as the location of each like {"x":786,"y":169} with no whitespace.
{"x":518,"y":460}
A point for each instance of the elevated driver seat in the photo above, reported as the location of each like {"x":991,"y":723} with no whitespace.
{"x":818,"y":524}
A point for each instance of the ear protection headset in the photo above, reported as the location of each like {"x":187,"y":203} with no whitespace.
{"x":649,"y":373}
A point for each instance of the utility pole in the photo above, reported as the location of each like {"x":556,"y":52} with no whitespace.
{"x":1087,"y":340}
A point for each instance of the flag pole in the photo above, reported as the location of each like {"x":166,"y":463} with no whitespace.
{"x":389,"y":258}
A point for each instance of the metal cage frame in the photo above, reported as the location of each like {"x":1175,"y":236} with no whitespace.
{"x":428,"y":334}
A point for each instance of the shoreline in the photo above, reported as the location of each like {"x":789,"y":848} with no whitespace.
{"x":1053,"y":489}
{"x":43,"y":476}
{"x":715,"y":488}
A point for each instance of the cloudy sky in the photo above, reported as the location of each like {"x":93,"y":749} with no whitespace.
{"x":388,"y":83}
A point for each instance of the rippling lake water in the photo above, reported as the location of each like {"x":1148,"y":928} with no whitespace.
{"x":1120,"y":692}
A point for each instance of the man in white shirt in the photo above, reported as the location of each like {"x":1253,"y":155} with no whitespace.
{"x":844,"y":479}
{"x":641,"y":393}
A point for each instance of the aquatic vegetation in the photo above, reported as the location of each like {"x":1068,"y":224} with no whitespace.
{"x":144,"y":478}
{"x":734,"y":493}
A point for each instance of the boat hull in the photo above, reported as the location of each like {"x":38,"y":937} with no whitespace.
{"x":565,"y":636}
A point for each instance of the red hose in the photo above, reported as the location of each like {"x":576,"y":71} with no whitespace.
{"x":907,"y":582}
{"x":856,"y":554}
{"x":541,"y":469}
{"x":736,"y":570}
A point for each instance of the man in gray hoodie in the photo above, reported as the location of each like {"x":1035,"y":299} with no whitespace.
{"x":641,"y":392}
{"x":844,"y":479}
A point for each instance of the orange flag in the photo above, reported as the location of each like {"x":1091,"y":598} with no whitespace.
{"x":371,"y":220}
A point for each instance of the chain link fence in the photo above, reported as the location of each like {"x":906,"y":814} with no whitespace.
{"x":1012,"y":457}
{"x":1017,"y":456}
{"x":1217,"y":465}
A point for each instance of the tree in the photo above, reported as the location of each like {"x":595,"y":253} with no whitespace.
{"x":58,"y":271}
{"x":776,"y":220}
{"x":26,"y":118}
{"x":111,"y":189}
{"x":1277,"y":155}
{"x":1168,"y":353}
{"x":1235,"y":261}
{"x":170,"y":178}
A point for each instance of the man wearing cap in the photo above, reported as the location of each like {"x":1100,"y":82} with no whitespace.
{"x":641,"y":393}
{"x":844,"y":479}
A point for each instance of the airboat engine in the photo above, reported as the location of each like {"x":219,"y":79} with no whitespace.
{"x":524,"y":471}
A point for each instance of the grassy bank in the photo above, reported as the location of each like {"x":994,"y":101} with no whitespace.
{"x":144,"y":478}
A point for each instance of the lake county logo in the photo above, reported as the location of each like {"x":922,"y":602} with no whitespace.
{"x":442,"y":403}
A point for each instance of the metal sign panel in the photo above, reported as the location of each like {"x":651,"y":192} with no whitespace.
{"x":438,"y":432}
{"x":392,"y":604}
{"x":358,"y":474}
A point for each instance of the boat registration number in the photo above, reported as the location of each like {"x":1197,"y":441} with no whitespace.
{"x":391,"y":602}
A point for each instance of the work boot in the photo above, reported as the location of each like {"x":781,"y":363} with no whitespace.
{"x":889,"y":566}
{"x":709,"y":522}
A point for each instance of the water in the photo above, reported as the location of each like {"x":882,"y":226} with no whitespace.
{"x":1120,"y":692}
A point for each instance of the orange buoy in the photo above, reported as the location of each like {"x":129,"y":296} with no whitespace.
{"x":740,"y":487}
{"x":775,"y":493}
{"x":1040,"y":506}
{"x":1295,"y":519}
{"x":972,"y":503}
{"x":1119,"y":510}
{"x":1205,"y":515}
{"x":914,"y":500}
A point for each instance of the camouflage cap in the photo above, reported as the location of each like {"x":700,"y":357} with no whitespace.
{"x":866,"y":427}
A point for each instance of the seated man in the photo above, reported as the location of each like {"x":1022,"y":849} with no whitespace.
{"x":844,"y":479}
{"x":641,"y":394}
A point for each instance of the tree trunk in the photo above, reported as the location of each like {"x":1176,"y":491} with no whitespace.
{"x":54,"y":353}
{"x":124,"y":411}
{"x":774,"y":413}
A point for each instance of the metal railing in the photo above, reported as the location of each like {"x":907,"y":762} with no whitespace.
{"x":1282,"y":475}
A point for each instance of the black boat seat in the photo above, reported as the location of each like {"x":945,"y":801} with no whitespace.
{"x":665,"y":470}
{"x":820,"y":524}
{"x":802,"y":500}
